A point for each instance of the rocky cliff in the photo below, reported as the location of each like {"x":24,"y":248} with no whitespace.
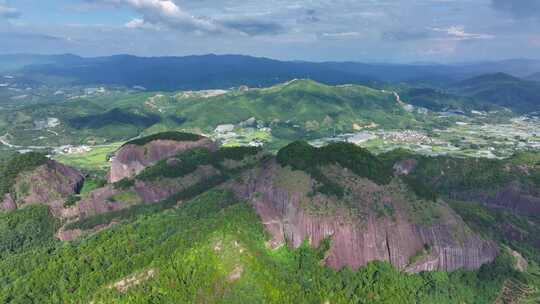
{"x":50,"y":184}
{"x":109,"y":198}
{"x":522,"y":199}
{"x":360,"y":231}
{"x":511,"y":186}
{"x":131,"y":159}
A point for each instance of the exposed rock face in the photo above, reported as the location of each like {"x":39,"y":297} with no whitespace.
{"x":132,"y":159}
{"x":97,"y":202}
{"x":8,"y":203}
{"x":394,"y":239}
{"x":513,"y":197}
{"x":50,"y":184}
{"x":100,"y":200}
{"x":405,"y":167}
{"x":153,"y":192}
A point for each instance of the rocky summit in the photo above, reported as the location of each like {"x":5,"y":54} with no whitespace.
{"x":134,"y":156}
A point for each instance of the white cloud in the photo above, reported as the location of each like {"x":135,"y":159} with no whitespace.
{"x":342,"y":34}
{"x":160,"y":14}
{"x":139,"y":23}
{"x":458,"y":32}
{"x":8,"y":12}
{"x":166,"y":13}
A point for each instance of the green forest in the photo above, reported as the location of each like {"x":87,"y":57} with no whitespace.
{"x":212,"y":250}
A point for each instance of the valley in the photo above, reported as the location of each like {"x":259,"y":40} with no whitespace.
{"x":76,"y":127}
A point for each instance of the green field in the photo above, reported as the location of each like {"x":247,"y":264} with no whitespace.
{"x":94,"y":160}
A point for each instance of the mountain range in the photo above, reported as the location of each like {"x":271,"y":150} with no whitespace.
{"x":225,"y":71}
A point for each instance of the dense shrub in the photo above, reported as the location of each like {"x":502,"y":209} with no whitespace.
{"x":26,"y":228}
{"x":171,"y":135}
{"x":446,"y":175}
{"x":188,"y":161}
{"x":302,"y":156}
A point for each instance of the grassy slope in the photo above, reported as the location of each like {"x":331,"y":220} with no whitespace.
{"x":94,"y":160}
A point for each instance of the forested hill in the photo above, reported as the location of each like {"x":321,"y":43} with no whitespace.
{"x":503,"y":90}
{"x":225,"y":71}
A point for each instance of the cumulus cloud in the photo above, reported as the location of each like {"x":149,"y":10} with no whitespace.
{"x":8,"y":12}
{"x":518,"y":8}
{"x":139,"y":23}
{"x":156,"y":14}
{"x":165,"y":12}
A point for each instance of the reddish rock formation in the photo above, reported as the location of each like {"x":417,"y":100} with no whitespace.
{"x":100,"y":200}
{"x":513,"y":197}
{"x":50,"y":184}
{"x":8,"y":203}
{"x":394,"y":239}
{"x":405,"y":167}
{"x":132,"y":159}
{"x":96,"y":202}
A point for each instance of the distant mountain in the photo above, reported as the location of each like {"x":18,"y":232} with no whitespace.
{"x":14,"y":62}
{"x":534,"y":77}
{"x":187,"y":73}
{"x":502,"y":89}
{"x":439,"y":100}
{"x":225,"y":71}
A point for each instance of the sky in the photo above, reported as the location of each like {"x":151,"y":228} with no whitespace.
{"x":313,"y":30}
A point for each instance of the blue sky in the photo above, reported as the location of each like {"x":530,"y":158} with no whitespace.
{"x":317,"y":30}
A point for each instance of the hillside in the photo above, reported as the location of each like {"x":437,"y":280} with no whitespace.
{"x":212,"y":250}
{"x":503,"y":90}
{"x":314,"y":107}
{"x":439,"y":101}
{"x":235,"y":225}
{"x":293,"y":110}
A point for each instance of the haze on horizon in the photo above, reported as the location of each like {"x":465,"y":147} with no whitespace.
{"x":317,"y":30}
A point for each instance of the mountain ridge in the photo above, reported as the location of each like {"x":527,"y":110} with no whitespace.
{"x":225,"y":71}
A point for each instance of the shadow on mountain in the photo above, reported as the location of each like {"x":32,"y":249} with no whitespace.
{"x":114,"y":117}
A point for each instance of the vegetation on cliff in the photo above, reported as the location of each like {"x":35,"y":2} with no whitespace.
{"x":177,"y":167}
{"x":171,"y":135}
{"x":448,"y":175}
{"x":188,"y":161}
{"x":212,"y":250}
{"x":302,"y":156}
{"x":14,"y":165}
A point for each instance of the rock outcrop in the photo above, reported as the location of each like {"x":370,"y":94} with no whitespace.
{"x":50,"y":184}
{"x":514,"y":197}
{"x":284,"y":209}
{"x":109,"y":199}
{"x":131,"y":159}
